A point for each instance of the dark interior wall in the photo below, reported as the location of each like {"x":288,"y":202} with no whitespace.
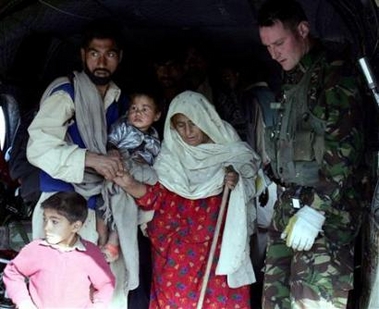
{"x":39,"y":41}
{"x":41,"y":57}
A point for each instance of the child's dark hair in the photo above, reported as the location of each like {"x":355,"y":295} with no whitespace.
{"x":102,"y":29}
{"x":150,"y":94}
{"x":71,"y":205}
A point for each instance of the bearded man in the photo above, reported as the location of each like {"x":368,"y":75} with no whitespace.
{"x":69,"y":133}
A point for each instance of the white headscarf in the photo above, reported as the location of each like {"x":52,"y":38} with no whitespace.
{"x":198,"y":171}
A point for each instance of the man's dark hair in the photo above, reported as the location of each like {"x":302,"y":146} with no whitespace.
{"x":289,"y":12}
{"x":70,"y":205}
{"x":168,"y":51}
{"x":102,"y":29}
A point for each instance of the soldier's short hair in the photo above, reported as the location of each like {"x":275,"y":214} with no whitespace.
{"x":289,"y":12}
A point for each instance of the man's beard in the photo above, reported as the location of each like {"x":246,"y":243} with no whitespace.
{"x":98,"y":80}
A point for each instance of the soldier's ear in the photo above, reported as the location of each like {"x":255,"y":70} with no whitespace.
{"x":303,"y":29}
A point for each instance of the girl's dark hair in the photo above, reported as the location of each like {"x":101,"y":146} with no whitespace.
{"x":71,"y":205}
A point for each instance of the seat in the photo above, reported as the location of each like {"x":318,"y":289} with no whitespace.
{"x":11,"y":120}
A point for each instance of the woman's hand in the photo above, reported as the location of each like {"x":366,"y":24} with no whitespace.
{"x":231,"y":177}
{"x":127,"y":182}
{"x":124,"y":179}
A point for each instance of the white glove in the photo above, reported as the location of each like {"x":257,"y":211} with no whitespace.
{"x":303,"y":228}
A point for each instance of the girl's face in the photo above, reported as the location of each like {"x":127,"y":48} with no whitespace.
{"x":143,"y":112}
{"x":188,"y":131}
{"x":58,"y":230}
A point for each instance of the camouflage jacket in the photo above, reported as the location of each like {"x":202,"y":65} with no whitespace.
{"x":333,"y":97}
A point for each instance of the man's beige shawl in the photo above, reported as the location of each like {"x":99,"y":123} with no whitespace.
{"x":198,"y":171}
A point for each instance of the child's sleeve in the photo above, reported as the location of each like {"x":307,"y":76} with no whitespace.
{"x":101,"y":277}
{"x":14,"y":279}
{"x":153,"y":199}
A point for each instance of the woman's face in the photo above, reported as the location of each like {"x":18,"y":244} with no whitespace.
{"x":188,"y":131}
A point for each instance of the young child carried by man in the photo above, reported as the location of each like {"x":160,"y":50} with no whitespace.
{"x":137,"y":141}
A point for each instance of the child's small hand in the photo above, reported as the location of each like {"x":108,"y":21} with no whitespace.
{"x":114,"y":153}
{"x":231,"y":177}
{"x":140,"y":160}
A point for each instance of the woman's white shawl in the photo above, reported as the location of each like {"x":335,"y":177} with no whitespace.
{"x":198,"y":171}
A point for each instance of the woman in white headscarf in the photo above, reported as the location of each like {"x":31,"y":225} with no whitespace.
{"x":197,"y":148}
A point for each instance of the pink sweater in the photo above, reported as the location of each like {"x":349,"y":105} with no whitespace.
{"x":59,"y":279}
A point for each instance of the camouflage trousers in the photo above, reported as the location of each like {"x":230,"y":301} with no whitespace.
{"x":301,"y":279}
{"x":319,"y":278}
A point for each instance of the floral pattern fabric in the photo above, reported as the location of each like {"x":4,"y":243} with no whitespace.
{"x":181,"y":234}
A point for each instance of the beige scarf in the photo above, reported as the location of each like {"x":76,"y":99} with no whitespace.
{"x":91,"y":122}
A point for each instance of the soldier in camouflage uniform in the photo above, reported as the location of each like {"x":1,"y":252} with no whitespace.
{"x":315,"y":148}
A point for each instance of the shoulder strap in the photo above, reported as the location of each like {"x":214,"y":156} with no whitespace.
{"x":67,"y":87}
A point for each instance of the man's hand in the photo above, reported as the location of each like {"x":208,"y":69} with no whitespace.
{"x":303,"y":228}
{"x":109,"y":166}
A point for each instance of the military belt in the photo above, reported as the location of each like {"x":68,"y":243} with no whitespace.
{"x":298,"y":195}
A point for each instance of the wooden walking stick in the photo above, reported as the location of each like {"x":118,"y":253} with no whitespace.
{"x":213,"y":247}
